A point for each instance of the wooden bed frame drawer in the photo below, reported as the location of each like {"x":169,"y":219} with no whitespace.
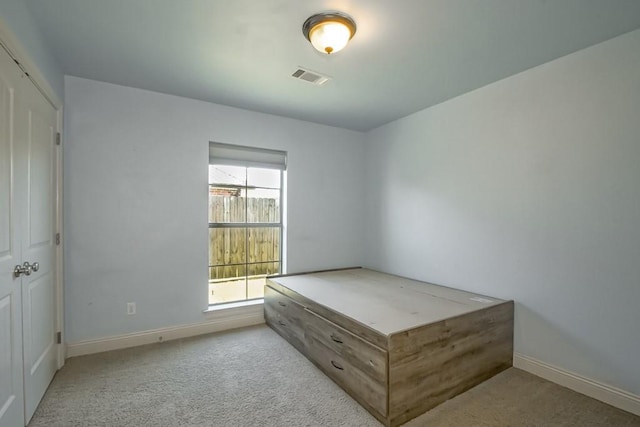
{"x":360,"y":354}
{"x":286,"y":317}
{"x":281,"y":303}
{"x":370,"y":392}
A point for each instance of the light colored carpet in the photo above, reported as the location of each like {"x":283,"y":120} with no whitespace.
{"x":252,"y":377}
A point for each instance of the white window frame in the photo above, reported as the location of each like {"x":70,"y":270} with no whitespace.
{"x":248,"y":157}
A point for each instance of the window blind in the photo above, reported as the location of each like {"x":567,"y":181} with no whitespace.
{"x":238,"y":155}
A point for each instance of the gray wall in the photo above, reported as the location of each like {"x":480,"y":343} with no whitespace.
{"x":527,"y":189}
{"x":135,"y":203}
{"x":17,"y":18}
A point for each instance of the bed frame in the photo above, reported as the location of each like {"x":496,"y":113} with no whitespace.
{"x":397,"y":346}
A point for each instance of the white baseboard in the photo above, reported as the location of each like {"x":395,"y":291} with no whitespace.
{"x":217,"y":322}
{"x":605,"y":393}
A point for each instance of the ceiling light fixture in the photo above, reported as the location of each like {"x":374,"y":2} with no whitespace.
{"x":329,"y":32}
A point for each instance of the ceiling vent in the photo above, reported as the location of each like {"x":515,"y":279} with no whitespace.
{"x":310,"y":76}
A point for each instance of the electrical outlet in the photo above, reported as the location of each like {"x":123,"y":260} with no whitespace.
{"x":131,"y":308}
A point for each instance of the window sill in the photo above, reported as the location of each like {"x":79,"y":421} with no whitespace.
{"x":232,"y":306}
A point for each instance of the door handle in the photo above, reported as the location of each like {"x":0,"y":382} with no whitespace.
{"x":25,"y":269}
{"x":20,"y":270}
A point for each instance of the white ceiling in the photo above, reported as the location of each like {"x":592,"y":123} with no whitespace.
{"x":406,"y":55}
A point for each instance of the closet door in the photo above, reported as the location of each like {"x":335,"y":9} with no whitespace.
{"x":11,"y":382}
{"x":28,"y":346}
{"x":36,"y":138}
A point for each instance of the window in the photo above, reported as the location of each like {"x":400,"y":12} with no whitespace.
{"x":245,"y":220}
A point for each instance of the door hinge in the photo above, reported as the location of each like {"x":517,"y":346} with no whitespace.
{"x":58,"y":138}
{"x":59,"y":337}
{"x":57,"y":238}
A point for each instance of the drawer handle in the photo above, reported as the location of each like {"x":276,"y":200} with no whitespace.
{"x":335,"y":365}
{"x":336,"y":339}
{"x":282,"y":304}
{"x":282,"y":323}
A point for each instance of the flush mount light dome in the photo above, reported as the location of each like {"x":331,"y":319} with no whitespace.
{"x":329,"y":32}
